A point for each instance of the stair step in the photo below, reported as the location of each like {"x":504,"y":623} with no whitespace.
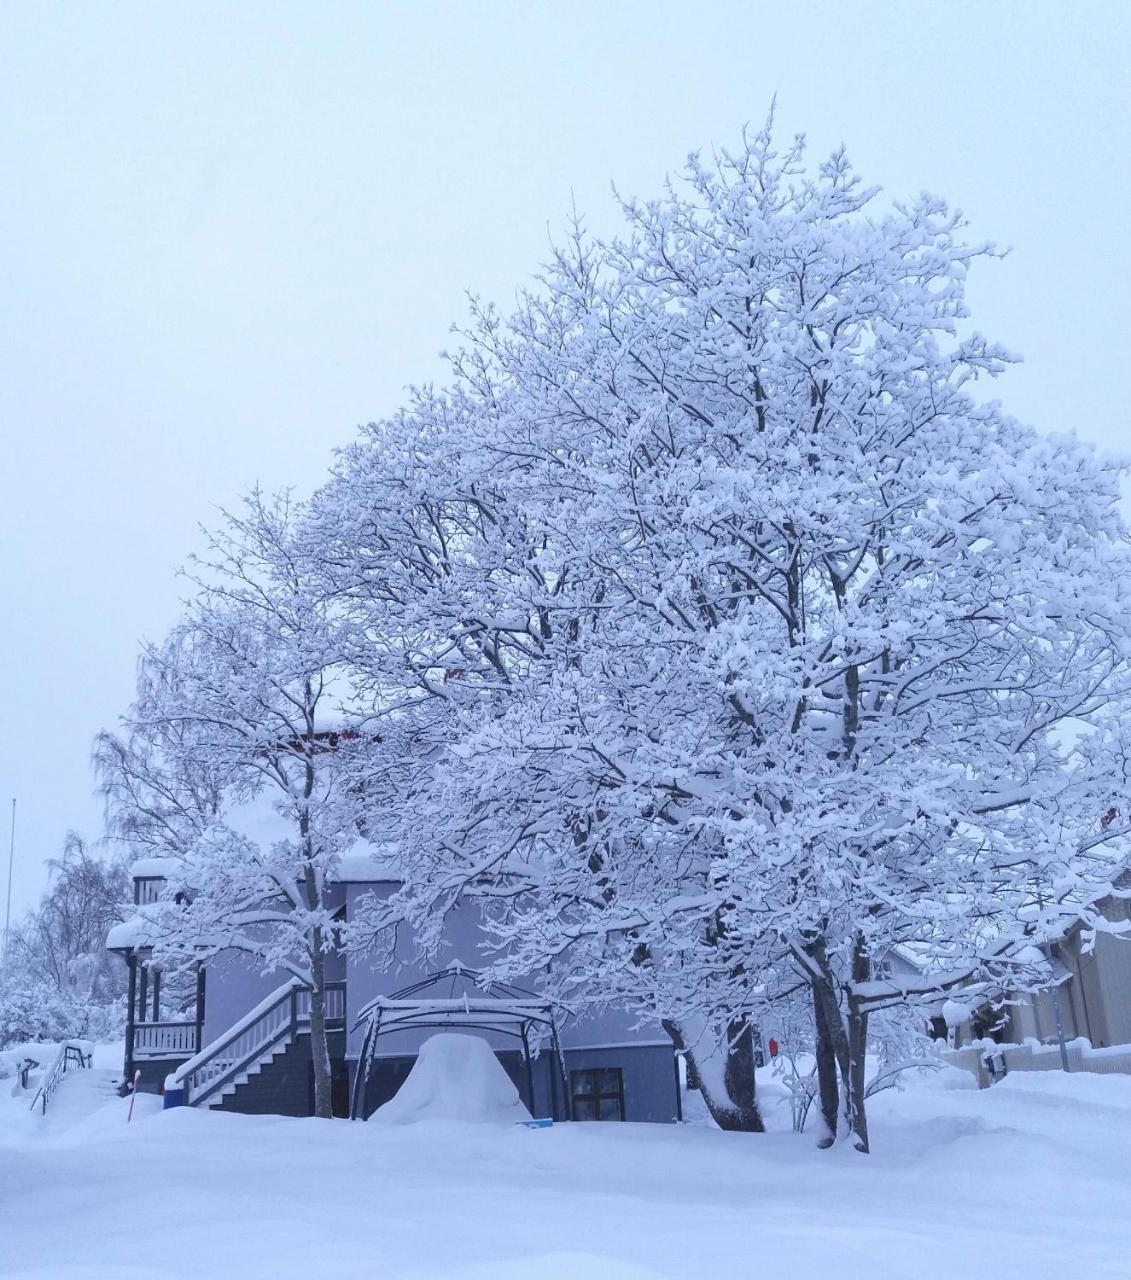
{"x":244,"y":1076}
{"x":231,"y":1087}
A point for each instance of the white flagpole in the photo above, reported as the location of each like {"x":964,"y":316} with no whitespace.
{"x":8,"y":908}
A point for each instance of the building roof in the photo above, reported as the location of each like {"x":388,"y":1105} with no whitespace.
{"x":130,"y":934}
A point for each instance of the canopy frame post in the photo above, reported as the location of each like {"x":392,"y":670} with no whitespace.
{"x":529,"y":1073}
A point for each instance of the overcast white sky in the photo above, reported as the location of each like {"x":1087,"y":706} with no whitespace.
{"x":229,"y":233}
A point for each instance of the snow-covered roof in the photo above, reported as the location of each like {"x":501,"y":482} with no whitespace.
{"x":150,"y":868}
{"x":369,"y":865}
{"x":914,"y":955}
{"x":340,"y":708}
{"x":137,"y":931}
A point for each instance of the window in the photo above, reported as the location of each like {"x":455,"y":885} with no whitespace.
{"x":598,"y":1094}
{"x":147,"y":889}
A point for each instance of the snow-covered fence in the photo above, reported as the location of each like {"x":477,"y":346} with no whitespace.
{"x":989,"y":1062}
{"x":73,"y":1054}
{"x":1115,"y":1059}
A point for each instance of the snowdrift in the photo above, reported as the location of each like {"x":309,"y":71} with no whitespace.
{"x":957,"y":1173}
{"x":455,"y":1077}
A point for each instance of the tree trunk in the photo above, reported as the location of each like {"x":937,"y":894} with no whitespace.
{"x":857,"y":1049}
{"x":319,"y":1046}
{"x":839,"y":1047}
{"x":857,"y":1067}
{"x":740,"y":1080}
{"x":827,"y":1089}
{"x":732,"y":1101}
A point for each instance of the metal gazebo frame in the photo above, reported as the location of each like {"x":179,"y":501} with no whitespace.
{"x":492,"y":1006}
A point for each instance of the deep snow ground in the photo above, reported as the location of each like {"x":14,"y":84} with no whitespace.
{"x":1031,"y":1179}
{"x":78,"y":1108}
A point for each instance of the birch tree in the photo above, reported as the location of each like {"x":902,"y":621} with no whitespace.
{"x":241,"y":705}
{"x":59,"y":977}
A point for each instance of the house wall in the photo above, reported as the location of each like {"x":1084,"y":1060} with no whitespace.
{"x":394,"y":964}
{"x":651,"y":1090}
{"x":399,"y":965}
{"x":1021,"y":1024}
{"x":1032,"y":1015}
{"x":607,"y":1037}
{"x":1076,"y":1008}
{"x":610,"y":1037}
{"x":1095,"y":1002}
{"x":1090,"y":979}
{"x":1111,"y":966}
{"x":235,"y":982}
{"x":153,"y":1072}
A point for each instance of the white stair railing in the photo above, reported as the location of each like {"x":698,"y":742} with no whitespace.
{"x":263,"y":1031}
{"x":255,"y":1035}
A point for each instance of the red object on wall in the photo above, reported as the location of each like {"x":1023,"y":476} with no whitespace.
{"x":773,"y":1048}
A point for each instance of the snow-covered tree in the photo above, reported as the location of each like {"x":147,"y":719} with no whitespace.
{"x":59,"y":980}
{"x":419,"y":546}
{"x":834,"y":649}
{"x":709,"y":627}
{"x":238,"y":709}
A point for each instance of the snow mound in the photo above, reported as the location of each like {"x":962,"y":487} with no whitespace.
{"x":455,"y":1077}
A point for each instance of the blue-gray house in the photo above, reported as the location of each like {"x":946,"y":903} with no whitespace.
{"x":239,"y":1040}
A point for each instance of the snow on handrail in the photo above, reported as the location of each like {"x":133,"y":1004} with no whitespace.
{"x":71,"y":1052}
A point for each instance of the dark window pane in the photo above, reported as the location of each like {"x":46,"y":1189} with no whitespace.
{"x":598,"y":1093}
{"x":584,"y":1109}
{"x":609,"y":1109}
{"x":582,"y":1082}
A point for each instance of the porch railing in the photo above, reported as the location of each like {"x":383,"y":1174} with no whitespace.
{"x":335,"y":1002}
{"x":165,"y":1039}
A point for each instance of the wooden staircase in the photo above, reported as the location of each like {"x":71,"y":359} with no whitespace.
{"x":249,"y":1049}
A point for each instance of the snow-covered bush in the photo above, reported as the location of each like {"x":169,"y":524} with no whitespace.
{"x":37,"y":1012}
